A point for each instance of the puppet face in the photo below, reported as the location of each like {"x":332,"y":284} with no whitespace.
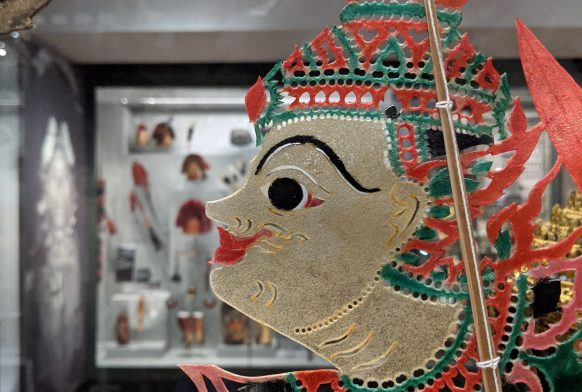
{"x":318,"y":216}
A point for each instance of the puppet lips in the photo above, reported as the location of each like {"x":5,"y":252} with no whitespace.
{"x":232,"y":249}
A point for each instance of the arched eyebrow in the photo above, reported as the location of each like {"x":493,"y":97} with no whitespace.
{"x":323,"y":148}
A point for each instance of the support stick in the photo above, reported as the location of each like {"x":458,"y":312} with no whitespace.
{"x":485,"y":345}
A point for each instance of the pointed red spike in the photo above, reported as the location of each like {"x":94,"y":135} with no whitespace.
{"x":256,"y":100}
{"x":557,"y":98}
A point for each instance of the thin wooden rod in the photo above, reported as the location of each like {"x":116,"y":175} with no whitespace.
{"x":488,"y":359}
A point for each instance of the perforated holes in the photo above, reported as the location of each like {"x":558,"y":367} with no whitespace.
{"x":350,"y":98}
{"x":360,"y":72}
{"x":391,"y":61}
{"x":305,"y":98}
{"x":334,"y":97}
{"x":367,"y":98}
{"x":344,"y":71}
{"x":415,"y":102}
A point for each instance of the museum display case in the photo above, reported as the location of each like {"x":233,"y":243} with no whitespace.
{"x":161,"y":155}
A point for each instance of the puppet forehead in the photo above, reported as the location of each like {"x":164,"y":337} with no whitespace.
{"x":352,"y":144}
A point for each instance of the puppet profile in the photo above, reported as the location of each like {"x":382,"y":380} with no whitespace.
{"x":342,"y":237}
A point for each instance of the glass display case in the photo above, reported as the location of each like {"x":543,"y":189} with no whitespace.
{"x":161,"y":154}
{"x":10,"y":126}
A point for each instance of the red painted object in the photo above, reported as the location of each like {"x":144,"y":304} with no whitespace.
{"x":256,"y":100}
{"x":557,"y":98}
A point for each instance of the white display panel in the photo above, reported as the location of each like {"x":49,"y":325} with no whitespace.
{"x":141,"y":275}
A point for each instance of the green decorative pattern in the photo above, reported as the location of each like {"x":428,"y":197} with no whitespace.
{"x":565,"y":377}
{"x":503,"y":245}
{"x":425,"y":234}
{"x":481,"y":167}
{"x":440,"y":212}
{"x":397,"y":278}
{"x":439,"y":368}
{"x":519,"y":318}
{"x":440,"y":185}
{"x":408,"y":258}
{"x":362,"y":10}
{"x":292,"y":381}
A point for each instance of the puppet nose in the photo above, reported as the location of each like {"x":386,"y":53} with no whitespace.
{"x":222,"y":212}
{"x":215,"y":211}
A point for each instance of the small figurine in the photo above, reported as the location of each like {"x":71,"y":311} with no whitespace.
{"x":192,"y":218}
{"x":140,"y":313}
{"x":142,"y":136}
{"x":122,"y":329}
{"x":195,"y":167}
{"x":185,"y":323}
{"x":164,"y":135}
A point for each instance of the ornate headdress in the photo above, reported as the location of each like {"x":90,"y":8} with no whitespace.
{"x":380,"y":55}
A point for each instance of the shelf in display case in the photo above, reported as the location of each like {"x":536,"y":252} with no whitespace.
{"x":244,"y":357}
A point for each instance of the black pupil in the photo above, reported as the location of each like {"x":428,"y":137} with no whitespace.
{"x":285,"y":194}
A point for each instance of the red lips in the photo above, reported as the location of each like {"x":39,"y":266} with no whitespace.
{"x":232,"y":249}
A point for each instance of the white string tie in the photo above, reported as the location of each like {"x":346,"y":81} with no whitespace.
{"x":490,"y":364}
{"x":445,"y":105}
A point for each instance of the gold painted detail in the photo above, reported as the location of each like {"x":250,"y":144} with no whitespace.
{"x":256,"y":296}
{"x":377,"y":362}
{"x":340,"y":313}
{"x":358,"y":348}
{"x":338,"y":339}
{"x":274,"y":293}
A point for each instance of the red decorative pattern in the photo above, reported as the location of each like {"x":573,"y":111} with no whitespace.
{"x":557,"y":98}
{"x":328,"y":52}
{"x":329,"y":96}
{"x":524,"y":375}
{"x":313,"y":380}
{"x":310,"y":380}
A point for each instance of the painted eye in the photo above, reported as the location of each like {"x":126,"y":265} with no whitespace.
{"x":287,"y":194}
